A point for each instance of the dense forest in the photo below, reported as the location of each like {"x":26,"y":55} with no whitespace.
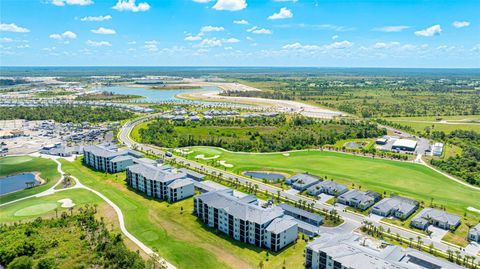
{"x":75,"y":240}
{"x":373,"y":97}
{"x":74,"y":114}
{"x":260,"y":134}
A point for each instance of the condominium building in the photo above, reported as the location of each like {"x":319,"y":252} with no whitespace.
{"x":351,"y":251}
{"x":107,"y":158}
{"x":244,"y":220}
{"x":162,"y":182}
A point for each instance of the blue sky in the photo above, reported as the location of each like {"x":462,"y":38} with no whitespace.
{"x":374,"y":33}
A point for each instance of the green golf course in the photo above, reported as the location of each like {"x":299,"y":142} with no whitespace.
{"x":407,"y":179}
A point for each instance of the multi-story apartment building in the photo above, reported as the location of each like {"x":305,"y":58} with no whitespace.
{"x":162,"y":182}
{"x":244,"y":220}
{"x":108,"y":158}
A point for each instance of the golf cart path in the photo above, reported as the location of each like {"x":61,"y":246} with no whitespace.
{"x":79,"y":185}
{"x":448,"y":176}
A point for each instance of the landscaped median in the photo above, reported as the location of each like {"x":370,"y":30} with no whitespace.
{"x":174,"y":230}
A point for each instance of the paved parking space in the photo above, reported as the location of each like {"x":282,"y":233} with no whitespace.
{"x":437,"y":233}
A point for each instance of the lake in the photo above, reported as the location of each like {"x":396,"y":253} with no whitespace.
{"x":152,"y":95}
{"x":272,"y":177}
{"x":16,"y":182}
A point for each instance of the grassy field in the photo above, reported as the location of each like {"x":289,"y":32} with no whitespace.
{"x":20,"y":164}
{"x":447,"y":124}
{"x":407,"y":179}
{"x":176,"y":233}
{"x":45,"y":206}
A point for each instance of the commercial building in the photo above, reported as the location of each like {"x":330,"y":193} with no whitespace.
{"x":474,"y":233}
{"x":359,"y":199}
{"x":437,"y":149}
{"x":396,"y":206}
{"x":302,"y":181}
{"x":349,"y":251}
{"x":106,"y":157}
{"x":435,"y":217}
{"x":327,"y":187}
{"x":244,"y":220}
{"x":404,"y":144}
{"x":162,"y":182}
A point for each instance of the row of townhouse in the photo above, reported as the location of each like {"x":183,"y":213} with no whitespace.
{"x":244,"y":220}
{"x":352,"y":251}
{"x":108,"y":158}
{"x":161,"y":182}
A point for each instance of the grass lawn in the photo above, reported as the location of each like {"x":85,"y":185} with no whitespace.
{"x":407,"y":179}
{"x":45,"y":206}
{"x":447,"y":123}
{"x":20,"y":164}
{"x":179,"y":237}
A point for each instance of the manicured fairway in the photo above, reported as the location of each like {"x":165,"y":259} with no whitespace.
{"x":408,"y":179}
{"x":177,"y":236}
{"x":41,"y":206}
{"x":20,"y":164}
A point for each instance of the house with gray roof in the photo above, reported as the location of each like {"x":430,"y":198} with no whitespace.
{"x":107,"y":158}
{"x":303,"y":215}
{"x":435,"y":217}
{"x":359,"y":199}
{"x":352,"y":251}
{"x":162,"y":182}
{"x":328,"y":187}
{"x":244,"y":220}
{"x":474,"y":233}
{"x":302,"y":181}
{"x":396,"y":206}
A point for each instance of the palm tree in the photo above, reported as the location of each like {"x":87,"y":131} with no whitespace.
{"x":450,"y":254}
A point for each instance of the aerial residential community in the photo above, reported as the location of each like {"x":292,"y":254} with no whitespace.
{"x":239,"y":134}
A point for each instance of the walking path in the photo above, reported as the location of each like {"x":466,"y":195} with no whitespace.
{"x":79,"y":185}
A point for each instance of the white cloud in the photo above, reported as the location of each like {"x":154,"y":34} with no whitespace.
{"x":430,"y":31}
{"x":62,"y":3}
{"x":103,"y":31}
{"x":130,"y":5}
{"x":133,"y":42}
{"x":460,"y":24}
{"x":65,"y":35}
{"x":284,"y":13}
{"x":339,"y":45}
{"x":385,"y":45}
{"x":260,"y":31}
{"x":391,"y":29}
{"x":96,"y":18}
{"x":244,"y":22}
{"x":230,"y":5}
{"x":193,"y":37}
{"x":210,"y":28}
{"x":12,"y":27}
{"x":333,"y":27}
{"x":26,"y":46}
{"x":299,"y":46}
{"x":215,"y":42}
{"x":98,"y":43}
{"x":231,"y":40}
{"x":334,"y":37}
{"x":6,"y":40}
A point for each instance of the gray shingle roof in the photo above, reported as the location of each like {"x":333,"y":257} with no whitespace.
{"x":155,"y":173}
{"x":437,"y":215}
{"x":279,"y":225}
{"x":307,"y":178}
{"x":397,"y":203}
{"x":301,"y":212}
{"x":180,"y":183}
{"x":121,"y":158}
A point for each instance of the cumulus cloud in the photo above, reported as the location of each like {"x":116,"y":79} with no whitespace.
{"x":284,"y":13}
{"x":151,"y":46}
{"x":391,"y":29}
{"x":334,"y":37}
{"x":65,"y":35}
{"x":299,"y":46}
{"x":230,"y":5}
{"x":62,"y":3}
{"x":210,"y":28}
{"x":130,"y":5}
{"x":193,"y":37}
{"x":336,"y":45}
{"x":385,"y":45}
{"x":460,"y":24}
{"x":215,"y":42}
{"x":12,"y":27}
{"x":96,"y":18}
{"x":92,"y":43}
{"x":103,"y":31}
{"x":259,"y":31}
{"x":244,"y":22}
{"x":339,"y":45}
{"x":6,"y":40}
{"x":430,"y":31}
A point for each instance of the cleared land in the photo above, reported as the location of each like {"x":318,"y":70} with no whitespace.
{"x":446,"y":124}
{"x":178,"y":236}
{"x":13,"y":165}
{"x":407,"y":179}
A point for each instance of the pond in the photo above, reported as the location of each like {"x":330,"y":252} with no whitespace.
{"x":271,"y":177}
{"x":152,"y":95}
{"x":16,"y":182}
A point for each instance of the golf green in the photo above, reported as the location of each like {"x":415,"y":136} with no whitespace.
{"x":38,"y":209}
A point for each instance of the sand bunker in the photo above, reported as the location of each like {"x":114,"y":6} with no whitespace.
{"x":66,"y":203}
{"x":224,"y":163}
{"x":201,"y":156}
{"x":184,"y":151}
{"x":473,"y":209}
{"x":286,"y":154}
